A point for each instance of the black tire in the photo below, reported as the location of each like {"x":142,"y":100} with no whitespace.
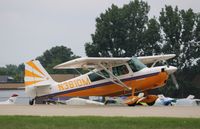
{"x":131,"y":105}
{"x":151,"y":104}
{"x":31,"y":102}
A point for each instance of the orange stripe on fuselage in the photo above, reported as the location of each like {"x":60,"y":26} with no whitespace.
{"x":31,"y":74}
{"x":139,"y":85}
{"x":30,"y":63}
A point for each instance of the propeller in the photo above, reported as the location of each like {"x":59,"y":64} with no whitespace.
{"x":174,"y":81}
{"x":171,"y":70}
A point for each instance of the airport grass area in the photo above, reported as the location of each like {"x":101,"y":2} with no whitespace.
{"x":87,"y":122}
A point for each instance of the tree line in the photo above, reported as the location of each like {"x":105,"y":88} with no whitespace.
{"x":48,"y":59}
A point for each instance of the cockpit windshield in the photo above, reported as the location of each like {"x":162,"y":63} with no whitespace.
{"x":135,"y":64}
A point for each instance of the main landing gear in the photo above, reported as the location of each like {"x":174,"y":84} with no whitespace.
{"x":38,"y":100}
{"x":141,"y":99}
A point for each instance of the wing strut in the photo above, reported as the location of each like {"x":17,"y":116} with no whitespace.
{"x":116,"y":81}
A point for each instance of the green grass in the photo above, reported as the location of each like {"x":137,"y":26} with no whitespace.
{"x":85,"y":122}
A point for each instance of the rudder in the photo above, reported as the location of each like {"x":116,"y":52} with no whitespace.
{"x":36,"y":75}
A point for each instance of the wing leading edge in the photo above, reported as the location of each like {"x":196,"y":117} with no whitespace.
{"x":91,"y":62}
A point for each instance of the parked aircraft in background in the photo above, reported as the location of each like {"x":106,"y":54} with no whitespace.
{"x":189,"y":101}
{"x":92,"y":100}
{"x":107,"y":77}
{"x":167,"y":101}
{"x":164,"y":101}
{"x":11,"y":100}
{"x":81,"y":101}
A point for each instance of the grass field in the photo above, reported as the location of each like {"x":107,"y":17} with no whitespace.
{"x":85,"y":122}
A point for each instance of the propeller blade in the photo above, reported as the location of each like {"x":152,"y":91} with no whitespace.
{"x":175,"y":81}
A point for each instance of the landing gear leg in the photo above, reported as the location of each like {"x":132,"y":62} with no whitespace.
{"x":131,"y":100}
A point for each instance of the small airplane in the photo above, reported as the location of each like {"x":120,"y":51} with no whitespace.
{"x":106,"y":77}
{"x":74,"y":101}
{"x":167,"y":101}
{"x":11,"y":100}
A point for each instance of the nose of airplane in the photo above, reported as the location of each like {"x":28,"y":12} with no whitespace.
{"x":170,"y":69}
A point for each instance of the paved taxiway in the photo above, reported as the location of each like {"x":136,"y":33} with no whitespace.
{"x":64,"y":110}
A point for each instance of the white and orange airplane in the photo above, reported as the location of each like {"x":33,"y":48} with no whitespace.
{"x":107,"y":77}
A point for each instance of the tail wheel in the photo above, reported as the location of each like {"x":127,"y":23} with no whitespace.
{"x":31,"y":102}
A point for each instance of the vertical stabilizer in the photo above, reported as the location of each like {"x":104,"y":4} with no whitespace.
{"x":36,"y":75}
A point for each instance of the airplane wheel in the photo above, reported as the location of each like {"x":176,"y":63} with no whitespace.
{"x":151,"y":104}
{"x":131,"y":105}
{"x":31,"y":102}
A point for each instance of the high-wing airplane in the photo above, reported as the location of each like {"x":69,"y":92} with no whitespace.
{"x":11,"y":100}
{"x":106,"y":77}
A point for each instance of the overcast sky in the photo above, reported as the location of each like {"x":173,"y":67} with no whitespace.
{"x":29,"y":27}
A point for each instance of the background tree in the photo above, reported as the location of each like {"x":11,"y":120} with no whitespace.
{"x":55,"y":56}
{"x":14,"y":71}
{"x":179,"y":28}
{"x":124,"y":32}
{"x":3,"y":71}
{"x":109,"y":34}
{"x":128,"y":31}
{"x":49,"y":59}
{"x":136,"y":19}
{"x":178,"y":37}
{"x":170,"y":22}
{"x":152,"y":38}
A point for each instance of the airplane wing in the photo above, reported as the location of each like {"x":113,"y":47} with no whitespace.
{"x":152,"y":59}
{"x":91,"y":62}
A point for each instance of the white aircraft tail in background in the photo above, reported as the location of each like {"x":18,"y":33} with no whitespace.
{"x":189,"y":101}
{"x":11,"y":100}
{"x":190,"y":97}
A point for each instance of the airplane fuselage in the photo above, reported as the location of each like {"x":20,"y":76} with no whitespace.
{"x":84,"y":85}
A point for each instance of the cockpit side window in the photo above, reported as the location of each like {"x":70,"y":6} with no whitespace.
{"x":135,"y":64}
{"x":96,"y":77}
{"x":120,"y":70}
{"x":132,"y":66}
